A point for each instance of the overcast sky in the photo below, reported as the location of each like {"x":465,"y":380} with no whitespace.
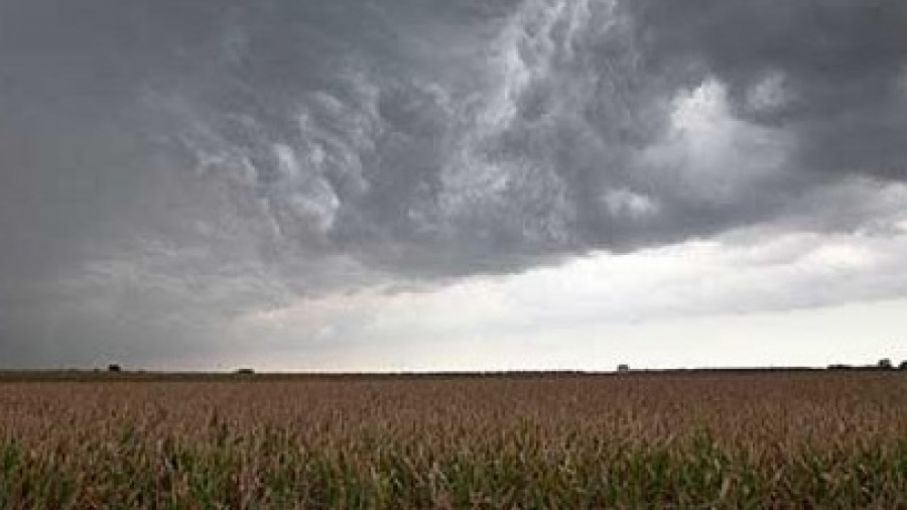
{"x":452,"y":184}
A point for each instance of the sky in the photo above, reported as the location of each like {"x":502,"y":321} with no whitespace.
{"x":387,"y":185}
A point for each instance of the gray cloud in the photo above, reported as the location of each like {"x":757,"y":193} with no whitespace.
{"x":283,"y":148}
{"x":837,"y":66}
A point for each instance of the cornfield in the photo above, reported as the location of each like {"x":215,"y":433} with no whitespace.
{"x":682,"y":440}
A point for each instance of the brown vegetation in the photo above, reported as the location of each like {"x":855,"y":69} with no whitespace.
{"x":732,"y":440}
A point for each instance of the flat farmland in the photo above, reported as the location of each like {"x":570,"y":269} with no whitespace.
{"x":797,"y":439}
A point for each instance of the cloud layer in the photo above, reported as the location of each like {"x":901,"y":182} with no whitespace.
{"x":178,"y":165}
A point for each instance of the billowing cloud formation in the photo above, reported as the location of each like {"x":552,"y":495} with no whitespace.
{"x":694,"y":302}
{"x":177,"y":164}
{"x":828,"y":73}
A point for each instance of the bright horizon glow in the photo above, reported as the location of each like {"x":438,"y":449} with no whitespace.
{"x":853,"y":334}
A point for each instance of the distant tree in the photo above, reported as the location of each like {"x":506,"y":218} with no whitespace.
{"x":884,"y":363}
{"x":113,"y":367}
{"x":903,"y":365}
{"x":623,"y":367}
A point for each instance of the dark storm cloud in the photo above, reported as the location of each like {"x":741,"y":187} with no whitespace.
{"x":281,"y":148}
{"x":513,"y":138}
{"x":842,"y":64}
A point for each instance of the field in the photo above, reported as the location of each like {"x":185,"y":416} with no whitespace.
{"x":805,"y":439}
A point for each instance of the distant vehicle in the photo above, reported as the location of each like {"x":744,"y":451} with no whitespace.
{"x":623,"y":367}
{"x":245,"y":371}
{"x":113,"y":367}
{"x":885,"y":364}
